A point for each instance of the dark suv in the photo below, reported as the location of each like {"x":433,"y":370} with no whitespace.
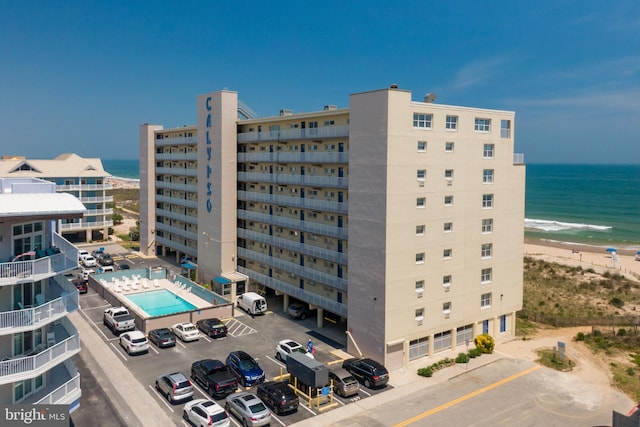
{"x":212,"y":327}
{"x":245,"y":368}
{"x":367,"y":371}
{"x":278,"y":396}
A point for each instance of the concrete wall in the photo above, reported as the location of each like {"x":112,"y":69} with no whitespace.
{"x":147,"y":188}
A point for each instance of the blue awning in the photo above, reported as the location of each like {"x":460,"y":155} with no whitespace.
{"x":188,"y":266}
{"x":222,"y":280}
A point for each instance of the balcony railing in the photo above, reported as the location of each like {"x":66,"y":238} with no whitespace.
{"x":518,"y":158}
{"x":192,"y":188}
{"x":84,"y":187}
{"x":83,"y":225}
{"x":189,"y":235}
{"x":322,"y":157}
{"x":175,"y":215}
{"x":55,"y":393}
{"x":296,"y":224}
{"x":64,"y":302}
{"x":298,"y":202}
{"x":177,"y":201}
{"x":94,"y":212}
{"x":295,"y":179}
{"x":177,"y":171}
{"x":102,"y":199}
{"x":293,"y":134}
{"x":44,"y":358}
{"x":184,"y":140}
{"x":177,"y":156}
{"x":177,"y":246}
{"x":42,"y":268}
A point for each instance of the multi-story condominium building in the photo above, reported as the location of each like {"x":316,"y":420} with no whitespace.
{"x":37,"y":340}
{"x":84,"y":178}
{"x":400,"y":220}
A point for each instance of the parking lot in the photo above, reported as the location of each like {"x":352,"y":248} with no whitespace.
{"x":257,"y":336}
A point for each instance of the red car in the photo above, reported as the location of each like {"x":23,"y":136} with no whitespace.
{"x":81,"y":285}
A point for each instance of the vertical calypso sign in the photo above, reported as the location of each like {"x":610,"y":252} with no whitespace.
{"x":209,"y":148}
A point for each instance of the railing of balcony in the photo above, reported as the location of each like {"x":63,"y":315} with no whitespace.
{"x":177,"y":246}
{"x":293,"y":134}
{"x":184,"y":140}
{"x":298,"y":202}
{"x":177,"y":186}
{"x":308,"y":226}
{"x":174,"y":215}
{"x":518,"y":158}
{"x":14,"y":368}
{"x":296,"y":292}
{"x":190,"y":235}
{"x":96,"y":199}
{"x":93,"y":212}
{"x":177,"y":171}
{"x":285,"y":178}
{"x":291,"y":245}
{"x":84,"y":187}
{"x":324,"y":157}
{"x":28,"y":318}
{"x":176,"y":201}
{"x":177,"y":156}
{"x":60,"y":394}
{"x":85,"y":224}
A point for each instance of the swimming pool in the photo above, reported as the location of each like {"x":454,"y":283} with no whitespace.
{"x":160,"y":302}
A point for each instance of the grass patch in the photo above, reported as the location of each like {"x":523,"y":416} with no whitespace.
{"x":626,"y":379}
{"x":551,"y":359}
{"x":525,"y":328}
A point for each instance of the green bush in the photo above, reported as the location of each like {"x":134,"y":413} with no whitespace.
{"x":425,"y":372}
{"x":580,"y":336}
{"x":474,"y":352}
{"x":485,"y":343}
{"x":616,"y":302}
{"x":462,"y":358}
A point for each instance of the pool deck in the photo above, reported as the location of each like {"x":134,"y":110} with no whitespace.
{"x":135,"y":285}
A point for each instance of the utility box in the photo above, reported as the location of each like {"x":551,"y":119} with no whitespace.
{"x":307,"y":370}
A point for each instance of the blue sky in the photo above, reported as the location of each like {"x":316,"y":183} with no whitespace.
{"x":80,"y":76}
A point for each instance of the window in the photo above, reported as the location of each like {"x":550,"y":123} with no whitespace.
{"x":485,"y":275}
{"x":448,"y":200}
{"x":419,"y":230}
{"x":487,"y":176}
{"x":446,"y":282}
{"x":448,"y":174}
{"x":422,"y":146}
{"x":448,"y":227}
{"x":421,"y":202}
{"x":485,"y":326}
{"x":419,"y":315}
{"x":447,"y":253}
{"x":485,"y":300}
{"x":487,"y":225}
{"x":420,"y":258}
{"x":452,"y":123}
{"x":487,"y":200}
{"x":329,"y":122}
{"x":487,"y":249}
{"x":420,"y":288}
{"x":503,"y":323}
{"x":488,"y":151}
{"x":448,"y":147}
{"x":421,"y":174}
{"x":446,"y":307}
{"x":482,"y":125}
{"x":505,"y":128}
{"x":422,"y":120}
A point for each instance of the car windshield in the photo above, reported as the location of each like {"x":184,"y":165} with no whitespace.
{"x":349,"y":380}
{"x":138,"y":340}
{"x":258,"y":407}
{"x":189,"y":328}
{"x":300,"y":350}
{"x":164,"y":333}
{"x":248,"y":364}
{"x":219,"y":416}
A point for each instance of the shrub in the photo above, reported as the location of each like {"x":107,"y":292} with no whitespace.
{"x":475,"y":352}
{"x":622,"y":332}
{"x":485,"y":343}
{"x":425,"y":372}
{"x":580,"y":336}
{"x":631,"y":372}
{"x":462,"y":358}
{"x":616,"y":302}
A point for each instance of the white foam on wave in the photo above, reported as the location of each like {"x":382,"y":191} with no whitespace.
{"x":550,"y":225}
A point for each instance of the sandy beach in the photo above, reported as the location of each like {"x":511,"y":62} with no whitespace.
{"x":122,"y":183}
{"x":585,"y":256}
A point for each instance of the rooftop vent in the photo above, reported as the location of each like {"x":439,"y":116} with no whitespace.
{"x":330,"y":107}
{"x":430,"y":98}
{"x":393,"y":86}
{"x":286,"y":112}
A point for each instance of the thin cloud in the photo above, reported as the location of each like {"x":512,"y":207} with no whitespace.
{"x":478,"y":72}
{"x":619,"y":100}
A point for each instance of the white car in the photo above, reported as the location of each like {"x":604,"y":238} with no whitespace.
{"x":204,"y":412}
{"x":186,"y":331}
{"x":134,"y":342}
{"x":89,"y":261}
{"x":81,"y":254}
{"x":286,"y":347}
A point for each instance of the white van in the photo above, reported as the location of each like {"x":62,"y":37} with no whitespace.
{"x":252,"y":303}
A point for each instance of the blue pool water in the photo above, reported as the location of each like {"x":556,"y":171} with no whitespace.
{"x":160,"y":302}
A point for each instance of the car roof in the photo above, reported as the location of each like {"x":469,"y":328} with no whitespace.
{"x":162,"y":331}
{"x":176,"y":376}
{"x":241,"y":354}
{"x":341,"y":372}
{"x":183,"y":324}
{"x":290,"y":343}
{"x":209,"y":406}
{"x":210,"y":362}
{"x":136,"y":334}
{"x":247,"y":397}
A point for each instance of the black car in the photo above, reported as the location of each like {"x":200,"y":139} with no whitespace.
{"x":215,"y":377}
{"x":124,"y":267}
{"x":367,"y":371}
{"x":278,"y":396}
{"x":162,"y":337}
{"x":298,"y":310}
{"x":212,"y":327}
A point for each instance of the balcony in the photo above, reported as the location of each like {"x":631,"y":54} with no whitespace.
{"x":192,"y":188}
{"x":294,"y":134}
{"x":296,"y":292}
{"x":188,"y":203}
{"x":518,"y":158}
{"x":177,"y":216}
{"x":321,"y":157}
{"x":94,"y":212}
{"x":85,"y":225}
{"x":183,"y":140}
{"x":177,"y":171}
{"x":61,"y":299}
{"x":44,"y":356}
{"x":51,"y":264}
{"x":193,"y":155}
{"x":61,"y":388}
{"x":96,"y":199}
{"x":297,"y":202}
{"x":189,"y":235}
{"x":296,"y":224}
{"x":84,"y":187}
{"x":177,"y":246}
{"x":295,"y":179}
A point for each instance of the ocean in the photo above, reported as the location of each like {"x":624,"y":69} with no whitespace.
{"x":595,"y":205}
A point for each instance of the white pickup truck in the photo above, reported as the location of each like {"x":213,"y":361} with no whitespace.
{"x":118,"y":320}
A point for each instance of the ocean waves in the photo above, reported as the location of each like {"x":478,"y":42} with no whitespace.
{"x":555,"y":226}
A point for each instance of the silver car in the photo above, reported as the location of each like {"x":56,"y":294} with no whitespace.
{"x":249,"y":410}
{"x":175,"y":386}
{"x":344,"y":384}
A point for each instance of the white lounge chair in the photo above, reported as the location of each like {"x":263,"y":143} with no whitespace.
{"x":134,"y":287}
{"x":156,"y":283}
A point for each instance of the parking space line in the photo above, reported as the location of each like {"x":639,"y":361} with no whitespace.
{"x":98,"y":307}
{"x":153,"y":348}
{"x":273,"y":417}
{"x":231,"y":417}
{"x":276,"y":361}
{"x":206,"y":338}
{"x":368,"y":394}
{"x":307,"y":408}
{"x":178,"y":342}
{"x":156,"y":392}
{"x":117,"y":351}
